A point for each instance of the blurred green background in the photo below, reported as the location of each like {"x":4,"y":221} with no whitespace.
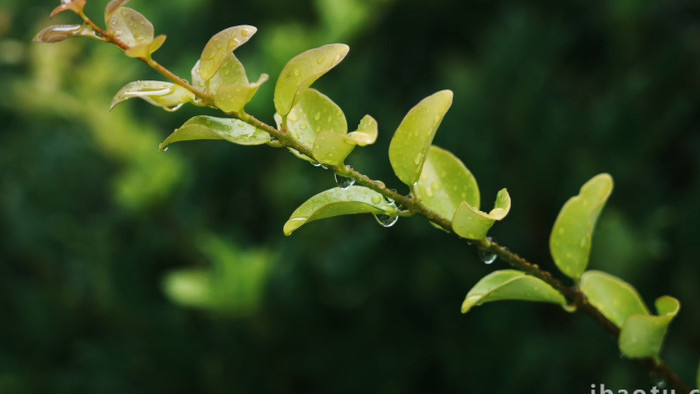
{"x":125,"y":270}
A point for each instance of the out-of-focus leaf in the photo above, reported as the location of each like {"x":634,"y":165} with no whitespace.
{"x":146,"y":50}
{"x":337,"y":202}
{"x":211,"y":128}
{"x":614,"y":298}
{"x":642,"y":336}
{"x":112,"y":7}
{"x":410,"y":144}
{"x":445,"y":182}
{"x":572,"y":234}
{"x":58,"y":33}
{"x":220,"y":46}
{"x":72,"y":5}
{"x":332,"y":148}
{"x":159,"y":93}
{"x":302,"y":71}
{"x":471,"y":223}
{"x":130,"y":27}
{"x":511,"y":285}
{"x":315,"y":112}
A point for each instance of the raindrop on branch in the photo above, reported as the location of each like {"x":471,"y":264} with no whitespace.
{"x":486,"y":257}
{"x":386,"y":220}
{"x":343,"y":182}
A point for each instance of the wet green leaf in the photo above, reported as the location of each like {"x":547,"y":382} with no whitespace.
{"x":58,"y":33}
{"x":572,"y":234}
{"x":410,"y":144}
{"x":642,"y":336}
{"x":315,"y":112}
{"x":445,"y":182}
{"x":69,"y":5}
{"x":211,"y":128}
{"x":112,"y":7}
{"x":614,"y":298}
{"x":130,"y":27}
{"x":471,"y":223}
{"x":302,"y":71}
{"x":220,"y":46}
{"x":511,"y":285}
{"x":159,"y":93}
{"x":147,"y":49}
{"x":337,"y":202}
{"x":332,"y":148}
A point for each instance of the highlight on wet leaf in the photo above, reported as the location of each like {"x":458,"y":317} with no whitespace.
{"x":130,"y":27}
{"x":302,"y":71}
{"x":69,"y":5}
{"x":572,"y":234}
{"x":210,"y":128}
{"x":159,"y":93}
{"x":58,"y":33}
{"x":471,"y":223}
{"x":642,"y":336}
{"x":445,"y":182}
{"x":511,"y":285}
{"x":332,"y":148}
{"x":220,"y":46}
{"x":337,"y":202}
{"x":614,"y":298}
{"x":315,"y":112}
{"x":411,"y":142}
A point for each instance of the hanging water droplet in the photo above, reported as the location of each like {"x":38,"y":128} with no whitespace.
{"x":386,"y":220}
{"x":166,"y":148}
{"x":315,"y":164}
{"x":343,"y":182}
{"x":486,"y":257}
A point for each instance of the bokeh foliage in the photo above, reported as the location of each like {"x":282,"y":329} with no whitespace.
{"x":547,"y":94}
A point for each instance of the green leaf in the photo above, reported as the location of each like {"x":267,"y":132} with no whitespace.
{"x":147,"y":49}
{"x":614,"y":298}
{"x":642,"y":336}
{"x":58,"y":33}
{"x":211,"y":128}
{"x":445,"y":182}
{"x":572,"y":234}
{"x":302,"y":71}
{"x":220,"y":46}
{"x":410,"y":144}
{"x":332,"y":148}
{"x":112,"y":7}
{"x":471,"y":223}
{"x":315,"y":112}
{"x":130,"y":27}
{"x":159,"y":93}
{"x":337,"y":202}
{"x":511,"y":285}
{"x":66,"y":5}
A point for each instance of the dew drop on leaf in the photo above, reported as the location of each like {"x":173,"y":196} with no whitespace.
{"x":376,"y":199}
{"x":386,"y":220}
{"x":344,"y":182}
{"x":487,"y":257}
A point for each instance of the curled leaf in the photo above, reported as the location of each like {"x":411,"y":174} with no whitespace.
{"x":211,"y":128}
{"x":614,"y":298}
{"x":332,"y":148}
{"x":220,"y":46}
{"x":58,"y":33}
{"x":147,"y":49}
{"x":337,"y":202}
{"x":302,"y":71}
{"x":572,"y":234}
{"x":130,"y":27}
{"x":69,"y":5}
{"x":409,"y":145}
{"x":511,"y":285}
{"x":642,"y":336}
{"x":159,"y":93}
{"x":471,"y":223}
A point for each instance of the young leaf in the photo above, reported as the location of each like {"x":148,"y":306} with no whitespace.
{"x":332,"y":148}
{"x":112,"y":7}
{"x":58,"y":33}
{"x":614,"y":298}
{"x":337,"y":202}
{"x":471,"y":223}
{"x":147,"y":49}
{"x":159,"y":93}
{"x":315,"y":112}
{"x":211,"y":128}
{"x":642,"y":336}
{"x":412,"y":139}
{"x":220,"y":46}
{"x":130,"y":27}
{"x":445,"y":182}
{"x":511,"y":285}
{"x":572,"y":234}
{"x":302,"y":71}
{"x":72,"y":5}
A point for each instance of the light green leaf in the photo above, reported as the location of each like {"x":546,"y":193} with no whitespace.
{"x":220,"y":46}
{"x":511,"y":285}
{"x":58,"y":33}
{"x":147,"y":49}
{"x":572,"y":234}
{"x":445,"y":182}
{"x":471,"y":223}
{"x":410,"y":144}
{"x":112,"y":7}
{"x":337,"y":202}
{"x":642,"y":336}
{"x":302,"y":71}
{"x":130,"y":27}
{"x":211,"y":128}
{"x":159,"y":93}
{"x":614,"y":298}
{"x":72,"y":5}
{"x":315,"y":112}
{"x":332,"y":148}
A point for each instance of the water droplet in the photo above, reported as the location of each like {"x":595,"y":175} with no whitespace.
{"x":293,"y":116}
{"x":245,"y":32}
{"x":315,"y":164}
{"x":343,"y":182}
{"x":166,"y":148}
{"x":303,"y":126}
{"x":386,"y":220}
{"x":376,"y":199}
{"x":321,"y":59}
{"x":296,"y":72}
{"x":486,"y":257}
{"x":317,"y":116}
{"x":418,"y":158}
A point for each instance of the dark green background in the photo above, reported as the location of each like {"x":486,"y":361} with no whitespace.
{"x":547,"y":94}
